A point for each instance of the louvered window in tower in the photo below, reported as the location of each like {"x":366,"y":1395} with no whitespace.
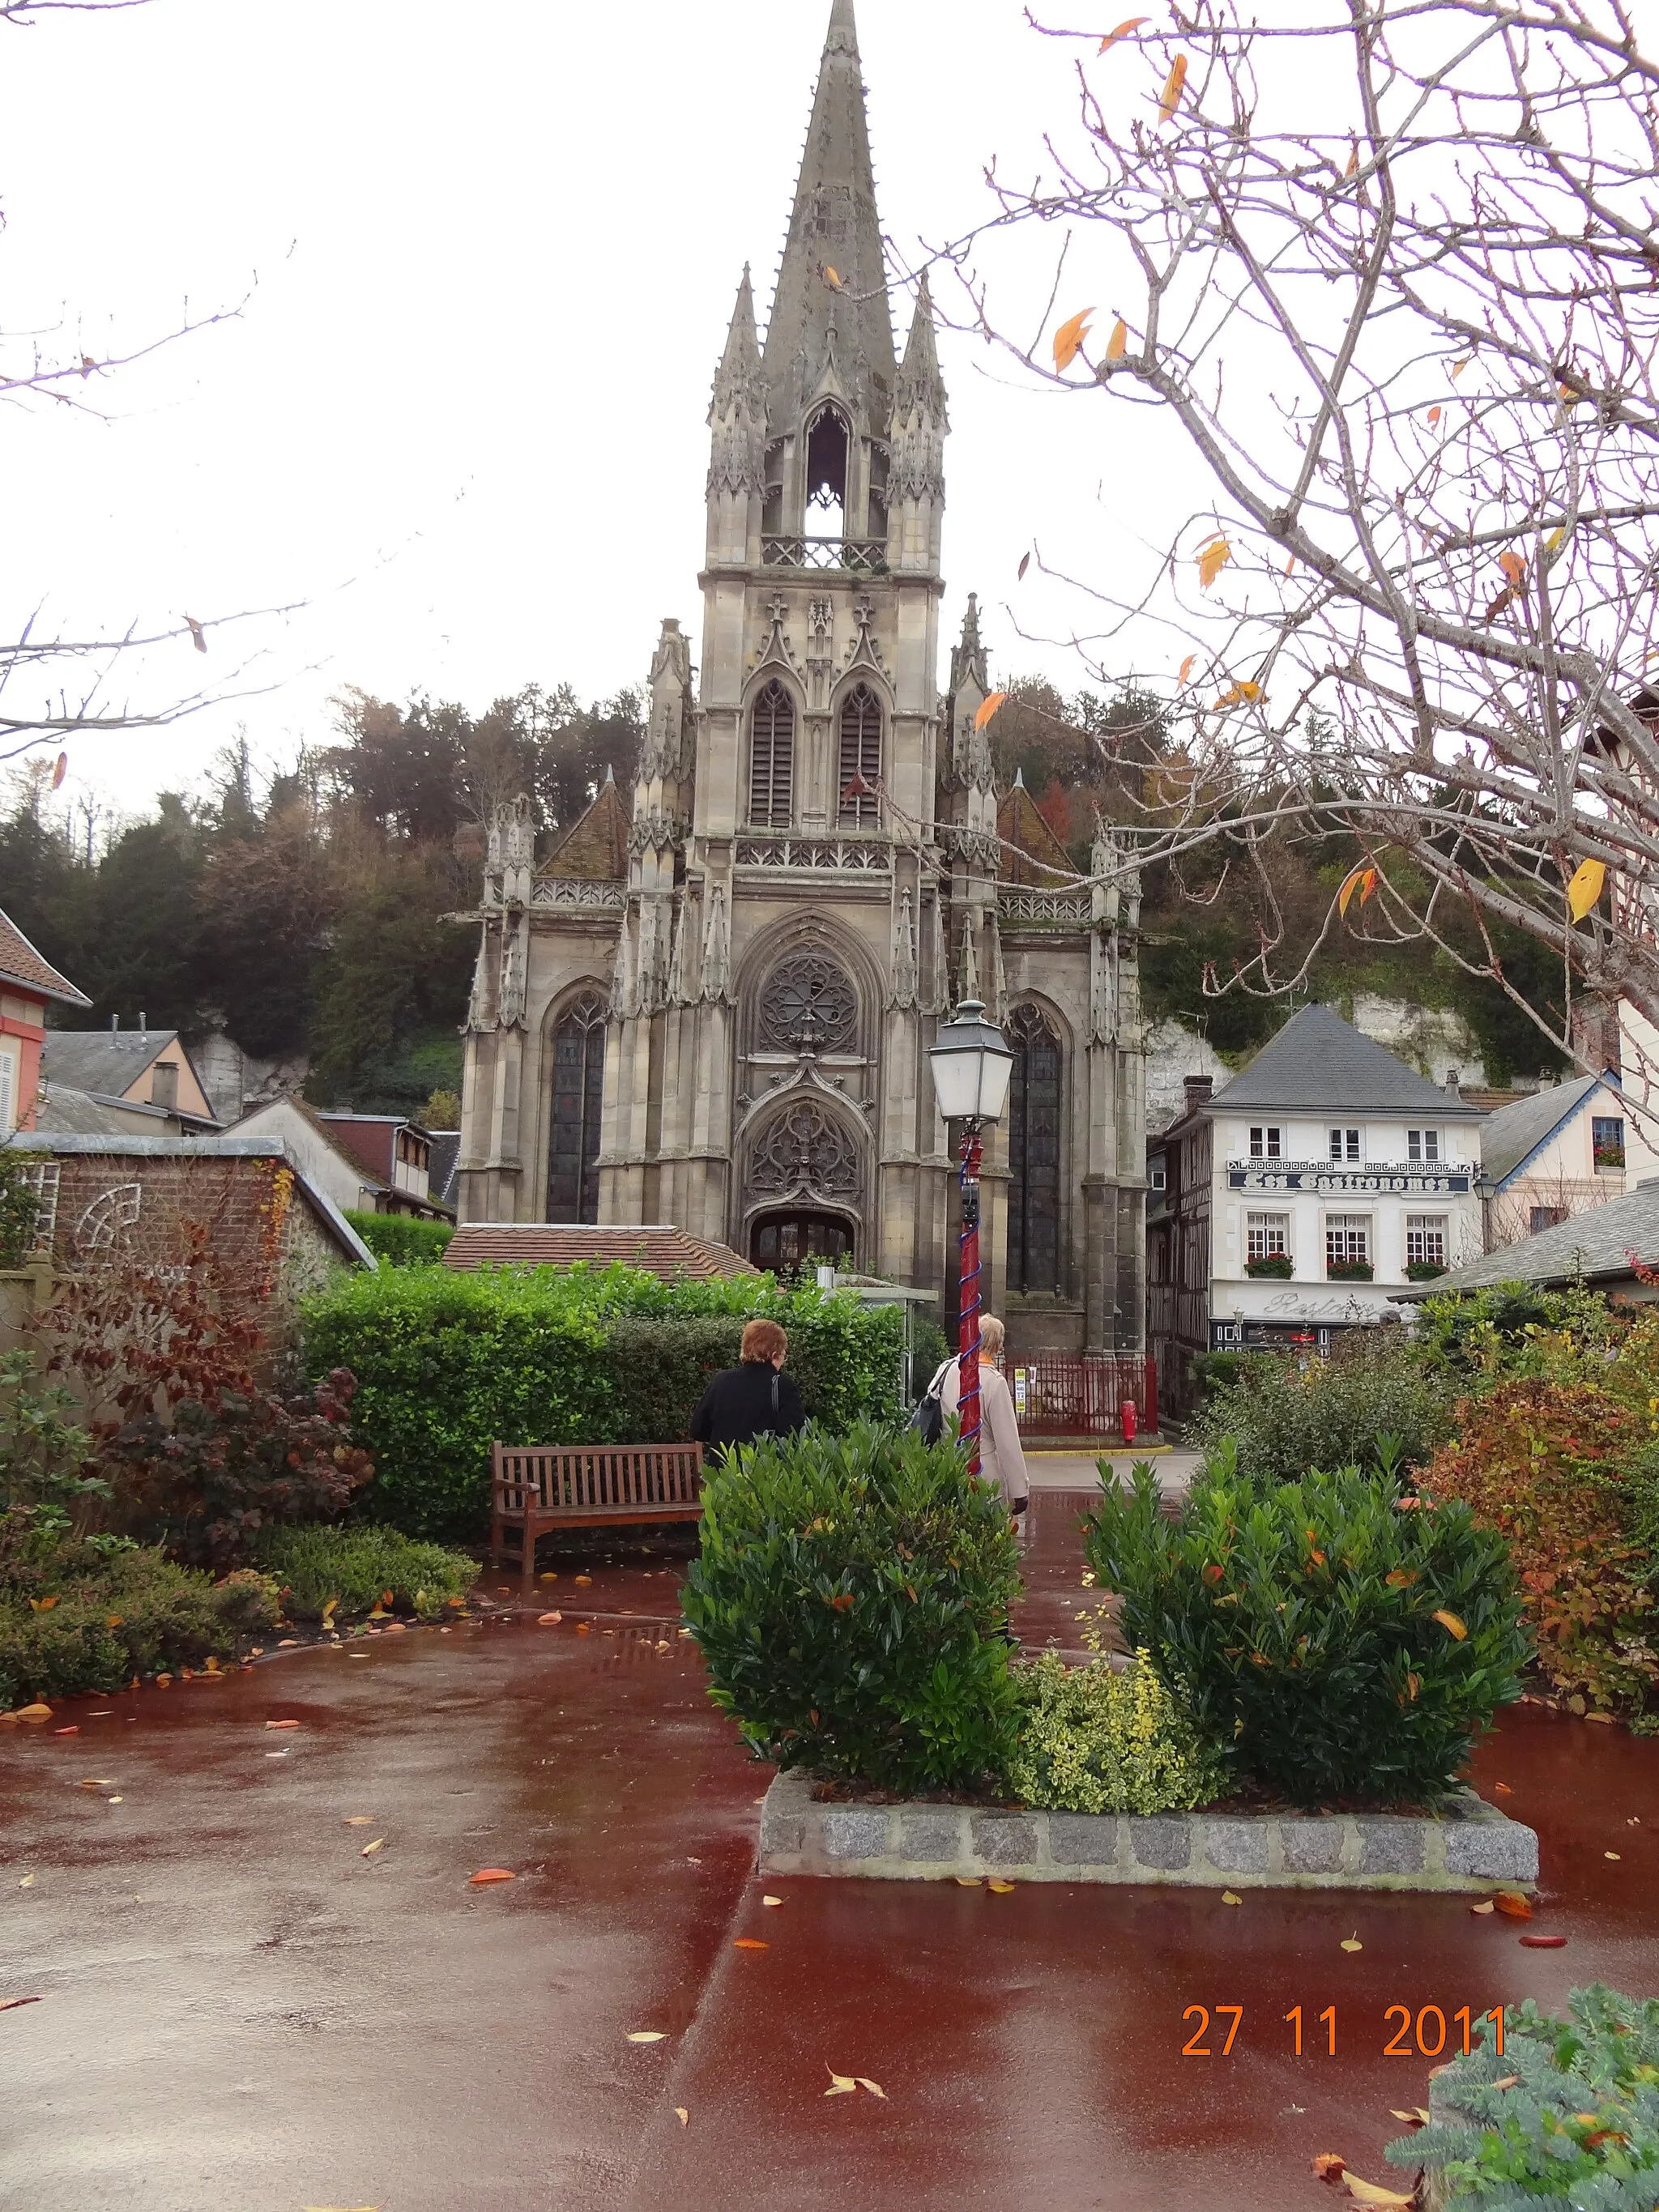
{"x":860,"y":756}
{"x":772,"y":758}
{"x":1034,"y":1153}
{"x":573,"y":1177}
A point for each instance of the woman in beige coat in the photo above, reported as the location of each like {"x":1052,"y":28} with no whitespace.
{"x":1002,"y":1460}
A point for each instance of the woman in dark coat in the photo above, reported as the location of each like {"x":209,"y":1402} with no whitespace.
{"x":755,"y":1399}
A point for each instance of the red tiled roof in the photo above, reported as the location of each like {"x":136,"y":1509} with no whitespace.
{"x":662,"y":1252}
{"x":21,"y":964}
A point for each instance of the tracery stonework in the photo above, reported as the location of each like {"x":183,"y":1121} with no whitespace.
{"x":812,"y":862}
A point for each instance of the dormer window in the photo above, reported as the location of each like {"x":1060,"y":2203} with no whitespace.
{"x":828,"y":459}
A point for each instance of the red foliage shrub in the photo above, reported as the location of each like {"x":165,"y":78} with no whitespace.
{"x":1547,"y":1464}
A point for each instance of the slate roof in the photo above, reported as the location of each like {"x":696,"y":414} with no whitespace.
{"x":441,"y":1163}
{"x":1597,"y":1244}
{"x":594,"y":849}
{"x":104,"y":1062}
{"x":1510,"y":1137}
{"x":21,"y":964}
{"x":88,"y":1114}
{"x":661,"y":1251}
{"x":1319,"y":1063}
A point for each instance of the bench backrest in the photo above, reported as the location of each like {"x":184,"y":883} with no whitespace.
{"x":591,"y":1478}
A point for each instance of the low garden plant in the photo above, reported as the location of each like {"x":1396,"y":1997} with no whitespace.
{"x":1093,"y":1739}
{"x":349,"y":1571}
{"x":1341,"y":1639}
{"x":446,"y":1362}
{"x":1568,"y":2113}
{"x":1283,"y":1418}
{"x":851,"y":1599}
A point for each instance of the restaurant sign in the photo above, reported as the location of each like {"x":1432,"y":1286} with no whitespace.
{"x":1282,"y":1178}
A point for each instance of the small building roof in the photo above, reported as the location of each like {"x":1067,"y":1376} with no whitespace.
{"x":1318,"y":1063}
{"x":1038,"y":857}
{"x":1510,"y":1137}
{"x":442,"y":1164}
{"x":1599,"y":1244}
{"x":31,"y":971}
{"x":659,"y":1250}
{"x":594,"y":849}
{"x":88,"y":1113}
{"x":106,"y":1062}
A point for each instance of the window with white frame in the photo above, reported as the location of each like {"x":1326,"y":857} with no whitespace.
{"x":1422,"y":1144}
{"x":8,"y":1090}
{"x":1426,"y":1240}
{"x":1347,"y":1240}
{"x":1264,"y":1144}
{"x":1266,"y":1235}
{"x":1345,"y":1144}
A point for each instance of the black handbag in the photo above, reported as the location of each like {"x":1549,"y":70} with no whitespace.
{"x":928,"y":1418}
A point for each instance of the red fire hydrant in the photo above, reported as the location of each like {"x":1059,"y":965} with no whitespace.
{"x":1125,"y":1413}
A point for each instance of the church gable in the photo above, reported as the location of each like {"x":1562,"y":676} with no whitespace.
{"x":594,"y":849}
{"x":1031,"y":853}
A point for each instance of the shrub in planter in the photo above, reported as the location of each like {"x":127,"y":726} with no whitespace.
{"x":1284,"y":1419}
{"x":1092,"y":1740}
{"x":1568,"y":2114}
{"x":1423,"y":1271}
{"x":1557,"y":1470}
{"x":850,"y":1598}
{"x":354,"y":1570}
{"x":1273,"y":1266}
{"x":1343,"y":1640}
{"x":1348,"y":1270}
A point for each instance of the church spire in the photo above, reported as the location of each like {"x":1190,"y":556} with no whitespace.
{"x":831,"y":297}
{"x":740,"y":362}
{"x":919,"y":383}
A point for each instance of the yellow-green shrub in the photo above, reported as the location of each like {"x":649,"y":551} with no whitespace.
{"x":1095,"y":1741}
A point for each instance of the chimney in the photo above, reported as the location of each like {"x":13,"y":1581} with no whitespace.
{"x":114,"y":1027}
{"x":1198,"y":1088}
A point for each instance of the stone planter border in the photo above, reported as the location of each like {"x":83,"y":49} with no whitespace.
{"x":1471,"y":1846}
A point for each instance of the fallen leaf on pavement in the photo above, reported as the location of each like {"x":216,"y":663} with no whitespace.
{"x":486,"y":1875}
{"x":841,"y":2085}
{"x":1368,"y":2192}
{"x":34,"y":1712}
{"x":108,"y":1783}
{"x":750,"y":1943}
{"x":66,"y":1731}
{"x":1399,"y":2115}
{"x":1328,"y":2167}
{"x":1512,"y":1906}
{"x":1502,"y":1788}
{"x":646,"y":2034}
{"x":548,"y":1619}
{"x":682,"y":2115}
{"x":547,"y":1578}
{"x":966,"y":1881}
{"x":1544,"y":1943}
{"x":771,"y":1900}
{"x":582,"y":1629}
{"x":1610,"y":1855}
{"x":1485,"y":1906}
{"x":10,"y":2004}
{"x":1352,"y":1942}
{"x":272,"y":1724}
{"x":1228,"y":1897}
{"x":27,"y":1882}
{"x":584,"y":1582}
{"x":1001,"y":1888}
{"x":115,"y":1801}
{"x":874,"y":2087}
{"x":359,"y":1820}
{"x":379,"y":1844}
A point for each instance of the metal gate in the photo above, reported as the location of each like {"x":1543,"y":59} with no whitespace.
{"x":1059,"y":1396}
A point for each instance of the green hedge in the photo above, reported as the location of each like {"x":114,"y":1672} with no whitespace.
{"x":446,"y":1362}
{"x":400,"y":1240}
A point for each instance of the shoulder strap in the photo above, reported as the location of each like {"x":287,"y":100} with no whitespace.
{"x":774,"y":1394}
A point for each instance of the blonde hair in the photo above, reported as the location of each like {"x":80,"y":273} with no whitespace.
{"x":991,"y":1333}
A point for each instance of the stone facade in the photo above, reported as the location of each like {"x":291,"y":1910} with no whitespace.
{"x":711,"y":1006}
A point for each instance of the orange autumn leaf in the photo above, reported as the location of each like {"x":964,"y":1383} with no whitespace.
{"x":1068,"y":339}
{"x":548,"y":1619}
{"x":1434,"y":417}
{"x":59,"y":770}
{"x":1186,"y":669}
{"x":1329,"y":2166}
{"x":1513,"y":568}
{"x":1512,"y":1904}
{"x":270,"y":1724}
{"x":1129,"y":23}
{"x":1170,"y":99}
{"x":1352,"y":169}
{"x":988,"y":709}
{"x":832,"y":276}
{"x":1211,"y":560}
{"x":487,"y":1875}
{"x":1118,"y":344}
{"x":750,"y":1943}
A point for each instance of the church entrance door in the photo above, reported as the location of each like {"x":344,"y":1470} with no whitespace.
{"x":800,"y":1239}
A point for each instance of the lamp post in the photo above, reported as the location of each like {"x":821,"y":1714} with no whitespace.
{"x":971,"y":1065}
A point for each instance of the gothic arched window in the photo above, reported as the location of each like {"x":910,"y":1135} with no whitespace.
{"x":827,"y":453}
{"x":860,"y":756}
{"x":573,"y":1152}
{"x":1034,"y":1152}
{"x":772,"y":758}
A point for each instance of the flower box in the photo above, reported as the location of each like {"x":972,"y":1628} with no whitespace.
{"x":1348,"y":1270}
{"x":1423,"y":1271}
{"x":1609,"y":1155}
{"x":1278,"y":1267}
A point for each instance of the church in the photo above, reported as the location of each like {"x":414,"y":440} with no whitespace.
{"x":710,"y":1005}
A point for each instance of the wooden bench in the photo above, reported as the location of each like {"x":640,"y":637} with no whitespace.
{"x":539,"y":1488}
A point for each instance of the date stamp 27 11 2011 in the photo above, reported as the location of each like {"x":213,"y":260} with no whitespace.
{"x":1423,"y":2034}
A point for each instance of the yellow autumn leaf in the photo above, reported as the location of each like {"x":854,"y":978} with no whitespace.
{"x":1068,"y":338}
{"x":1118,"y":344}
{"x":1170,"y":99}
{"x":988,"y":709}
{"x":831,"y":276}
{"x":646,"y":2034}
{"x":1552,"y":543}
{"x":1370,"y":2192}
{"x":1450,"y":1623}
{"x":1459,"y":367}
{"x":1211,"y":560}
{"x":1001,"y":1888}
{"x":1367,"y":885}
{"x":368,"y":1850}
{"x":841,"y":2085}
{"x":1350,"y":886}
{"x":1129,"y":23}
{"x":874,"y":2087}
{"x":1588,"y":878}
{"x":1230,"y":1897}
{"x":682,"y":2115}
{"x":1352,"y":1942}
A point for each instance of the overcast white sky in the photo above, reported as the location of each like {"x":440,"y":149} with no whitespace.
{"x":462,"y":414}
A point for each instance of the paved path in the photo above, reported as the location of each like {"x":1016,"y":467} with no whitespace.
{"x":242,"y":2014}
{"x":1079,"y":1470}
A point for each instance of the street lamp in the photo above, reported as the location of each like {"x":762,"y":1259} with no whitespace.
{"x":972,"y":1065}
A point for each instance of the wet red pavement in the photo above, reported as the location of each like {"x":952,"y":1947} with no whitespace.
{"x":242,"y":2014}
